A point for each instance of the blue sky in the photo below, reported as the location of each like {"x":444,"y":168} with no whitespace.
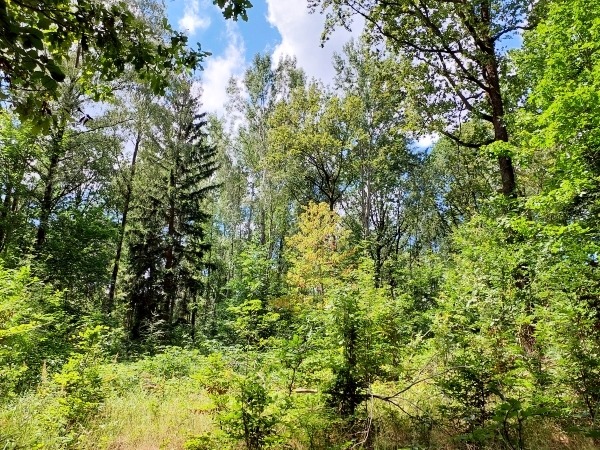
{"x":275,"y":26}
{"x":204,"y":23}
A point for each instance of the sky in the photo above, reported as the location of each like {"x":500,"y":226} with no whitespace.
{"x":278,"y":27}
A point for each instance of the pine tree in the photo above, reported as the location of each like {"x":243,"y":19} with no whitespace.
{"x":166,"y":242}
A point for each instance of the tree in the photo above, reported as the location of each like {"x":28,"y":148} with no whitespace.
{"x":334,"y":296}
{"x":265,"y":86}
{"x":37,"y":37}
{"x":19,"y":150}
{"x":454,"y":183}
{"x":254,"y":208}
{"x":77,"y":159}
{"x":32,"y":330}
{"x":167,"y":237}
{"x":382,"y":167}
{"x":313,"y":138}
{"x":141,"y":110}
{"x":482,"y":333}
{"x":559,"y":126}
{"x":453,"y":59}
{"x":317,"y":251}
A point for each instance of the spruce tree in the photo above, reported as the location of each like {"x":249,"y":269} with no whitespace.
{"x":166,"y":240}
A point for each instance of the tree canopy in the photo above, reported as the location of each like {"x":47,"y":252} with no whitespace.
{"x":37,"y":37}
{"x":404,"y":257}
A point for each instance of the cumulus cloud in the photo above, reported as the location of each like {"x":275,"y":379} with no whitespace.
{"x":192,"y":20}
{"x":219,"y":69}
{"x":301,"y":37}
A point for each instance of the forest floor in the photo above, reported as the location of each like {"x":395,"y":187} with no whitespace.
{"x":183,"y":400}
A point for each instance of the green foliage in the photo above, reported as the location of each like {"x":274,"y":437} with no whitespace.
{"x":166,"y":238}
{"x":357,"y":303}
{"x":18,"y":149}
{"x":32,"y":331}
{"x":216,"y":376}
{"x":38,"y":36}
{"x":484,"y":328}
{"x":314,"y":142}
{"x":171,"y":362}
{"x":413,"y":307}
{"x":253,"y":275}
{"x":77,"y":253}
{"x":252,"y":323}
{"x":79,"y":384}
{"x":232,"y":9}
{"x":205,"y":442}
{"x":250,"y":416}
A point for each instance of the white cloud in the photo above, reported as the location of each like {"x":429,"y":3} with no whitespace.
{"x":219,"y":69}
{"x":192,"y":20}
{"x":426,"y":141}
{"x":301,"y":37}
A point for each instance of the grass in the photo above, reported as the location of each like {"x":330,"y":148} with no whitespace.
{"x":158,"y":419}
{"x":145,"y":408}
{"x":161,"y":403}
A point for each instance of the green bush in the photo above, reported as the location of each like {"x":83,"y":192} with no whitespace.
{"x":171,"y":362}
{"x":251,"y":416}
{"x":32,"y":330}
{"x":79,"y":385}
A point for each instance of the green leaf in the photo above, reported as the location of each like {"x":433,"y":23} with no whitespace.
{"x":56,"y":73}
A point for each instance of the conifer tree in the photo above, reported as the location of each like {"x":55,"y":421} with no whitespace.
{"x":166,"y":242}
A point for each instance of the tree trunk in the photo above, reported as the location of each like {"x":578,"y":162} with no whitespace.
{"x":108,"y":307}
{"x":263,"y":226}
{"x":169,"y":281}
{"x":4,"y":215}
{"x":47,"y":199}
{"x":494,"y":92}
{"x":507,"y":171}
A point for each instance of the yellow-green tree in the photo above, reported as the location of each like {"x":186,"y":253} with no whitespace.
{"x":318,"y":252}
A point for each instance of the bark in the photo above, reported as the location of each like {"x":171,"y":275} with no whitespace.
{"x":108,"y":307}
{"x":4,"y":214}
{"x":507,"y":171}
{"x":46,"y":205}
{"x":263,"y":226}
{"x":169,"y":281}
{"x":494,"y":93}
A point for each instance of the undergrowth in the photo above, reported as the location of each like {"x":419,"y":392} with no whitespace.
{"x":179,"y":399}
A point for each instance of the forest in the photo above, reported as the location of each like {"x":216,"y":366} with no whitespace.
{"x":404,"y":258}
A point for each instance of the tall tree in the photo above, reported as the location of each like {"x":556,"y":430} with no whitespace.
{"x":453,"y":55}
{"x":78,"y":156}
{"x":255,"y":208}
{"x":167,"y":238}
{"x":140,"y":108}
{"x":263,"y":85}
{"x":18,"y":152}
{"x":311,"y":134}
{"x":383,"y":167}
